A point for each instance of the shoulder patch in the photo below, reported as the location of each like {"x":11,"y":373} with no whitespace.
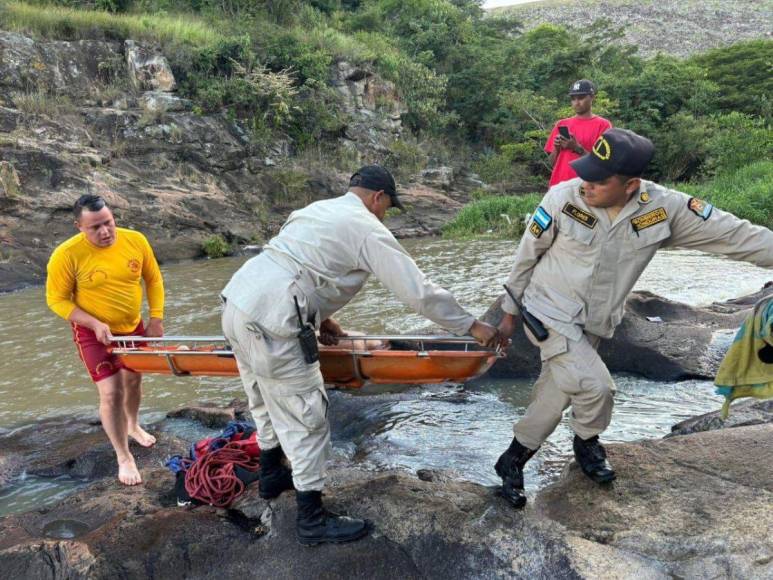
{"x":540,"y":221}
{"x":578,"y":215}
{"x":700,"y":208}
{"x":649,"y":219}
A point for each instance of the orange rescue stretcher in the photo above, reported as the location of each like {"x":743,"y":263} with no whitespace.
{"x":407,"y":361}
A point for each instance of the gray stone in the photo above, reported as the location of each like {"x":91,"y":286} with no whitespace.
{"x":52,"y":68}
{"x":148,"y":71}
{"x":438,"y":177}
{"x":161,"y":102}
{"x":742,"y":414}
{"x":680,"y":507}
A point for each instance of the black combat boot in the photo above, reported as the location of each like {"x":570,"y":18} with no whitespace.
{"x":509,"y":467}
{"x":275,"y":477}
{"x":592,"y":457}
{"x":316,"y":525}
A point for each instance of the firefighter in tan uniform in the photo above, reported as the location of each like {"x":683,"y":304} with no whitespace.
{"x":321,"y":258}
{"x":586,"y":246}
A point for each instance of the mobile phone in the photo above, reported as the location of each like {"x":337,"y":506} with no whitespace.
{"x":564,"y":131}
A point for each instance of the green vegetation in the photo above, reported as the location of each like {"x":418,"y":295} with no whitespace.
{"x":71,"y":23}
{"x":747,"y":192}
{"x":494,"y":216}
{"x":40,"y":102}
{"x":216,"y":247}
{"x":478,"y":84}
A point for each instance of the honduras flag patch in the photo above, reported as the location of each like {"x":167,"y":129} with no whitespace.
{"x":540,"y":221}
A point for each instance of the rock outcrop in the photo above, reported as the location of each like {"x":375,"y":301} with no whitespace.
{"x":103,"y":117}
{"x":680,"y":28}
{"x":687,"y":506}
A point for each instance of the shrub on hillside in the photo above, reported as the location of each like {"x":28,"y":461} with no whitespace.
{"x":738,"y":140}
{"x":216,"y":247}
{"x":742,"y":73}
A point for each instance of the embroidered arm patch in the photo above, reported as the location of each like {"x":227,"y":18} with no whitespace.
{"x":649,"y":219}
{"x":540,"y":221}
{"x":700,"y":208}
{"x":578,"y":215}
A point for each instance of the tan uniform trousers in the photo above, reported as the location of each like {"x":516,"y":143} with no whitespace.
{"x":572,"y":374}
{"x":289,"y":412}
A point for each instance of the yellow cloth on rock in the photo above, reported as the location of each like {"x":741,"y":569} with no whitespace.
{"x":105,"y":282}
{"x":742,"y":372}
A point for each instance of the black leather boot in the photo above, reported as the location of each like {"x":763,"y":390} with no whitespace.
{"x":592,"y":457}
{"x":275,"y":477}
{"x":316,"y":525}
{"x":509,"y":467}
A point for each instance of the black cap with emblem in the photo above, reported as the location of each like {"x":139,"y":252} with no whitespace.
{"x":616,"y":152}
{"x":582,"y":87}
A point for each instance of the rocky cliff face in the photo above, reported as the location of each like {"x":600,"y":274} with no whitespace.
{"x":102,"y":117}
{"x":681,"y":28}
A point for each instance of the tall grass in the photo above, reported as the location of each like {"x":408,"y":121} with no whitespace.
{"x":70,"y":24}
{"x":747,"y":192}
{"x":501,"y":217}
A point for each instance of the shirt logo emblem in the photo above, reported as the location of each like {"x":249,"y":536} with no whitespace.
{"x":578,"y":215}
{"x":700,"y":208}
{"x":540,"y":221}
{"x":602,"y":149}
{"x":644,"y":197}
{"x":649,"y":219}
{"x":134,"y":265}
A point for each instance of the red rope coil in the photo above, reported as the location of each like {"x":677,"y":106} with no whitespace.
{"x":212,"y":479}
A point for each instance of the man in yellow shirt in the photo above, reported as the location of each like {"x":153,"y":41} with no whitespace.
{"x":94,"y":283}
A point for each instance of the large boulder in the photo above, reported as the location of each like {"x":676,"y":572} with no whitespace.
{"x":701,"y":504}
{"x":689,"y":506}
{"x":148,"y":70}
{"x":420,"y":529}
{"x":658,"y":338}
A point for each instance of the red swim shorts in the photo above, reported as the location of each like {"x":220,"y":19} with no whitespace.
{"x":100,"y":363}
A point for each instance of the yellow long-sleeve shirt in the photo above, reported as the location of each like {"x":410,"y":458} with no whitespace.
{"x":105,"y":282}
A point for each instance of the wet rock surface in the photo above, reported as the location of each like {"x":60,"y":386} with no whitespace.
{"x":685,"y":506}
{"x":677,"y":341}
{"x":75,"y":448}
{"x":743,"y":413}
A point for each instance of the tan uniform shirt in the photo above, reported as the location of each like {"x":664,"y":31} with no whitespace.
{"x":574,"y":267}
{"x":324,"y":254}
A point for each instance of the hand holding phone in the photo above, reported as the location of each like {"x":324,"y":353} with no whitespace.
{"x":563,"y":131}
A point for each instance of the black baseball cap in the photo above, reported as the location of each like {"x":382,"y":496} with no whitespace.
{"x":376,"y":178}
{"x":582,"y":87}
{"x":616,"y":152}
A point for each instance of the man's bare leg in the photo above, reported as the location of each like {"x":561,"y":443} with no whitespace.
{"x":113,"y":415}
{"x":132,"y":383}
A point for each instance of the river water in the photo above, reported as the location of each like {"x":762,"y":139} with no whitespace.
{"x":41,"y":376}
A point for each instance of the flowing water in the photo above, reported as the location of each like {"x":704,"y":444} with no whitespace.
{"x":41,"y":375}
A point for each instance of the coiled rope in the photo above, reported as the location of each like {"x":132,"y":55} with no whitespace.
{"x":212,"y":479}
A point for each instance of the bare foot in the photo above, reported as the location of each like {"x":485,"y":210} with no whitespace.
{"x":142,"y":437}
{"x":128,"y":474}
